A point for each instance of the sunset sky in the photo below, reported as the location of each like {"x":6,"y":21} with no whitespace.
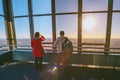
{"x":93,"y":24}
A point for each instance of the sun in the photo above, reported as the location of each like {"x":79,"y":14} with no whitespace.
{"x":89,"y":22}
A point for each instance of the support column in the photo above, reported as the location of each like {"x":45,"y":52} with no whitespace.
{"x":31,"y":23}
{"x":53,"y":20}
{"x":9,"y":24}
{"x":79,"y":25}
{"x":109,"y":24}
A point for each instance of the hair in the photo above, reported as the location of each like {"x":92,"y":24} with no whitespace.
{"x":37,"y":34}
{"x":62,"y":33}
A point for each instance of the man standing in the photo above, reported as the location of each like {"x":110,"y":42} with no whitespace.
{"x":59,"y":45}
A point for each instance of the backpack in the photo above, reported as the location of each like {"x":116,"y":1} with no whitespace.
{"x":67,"y":44}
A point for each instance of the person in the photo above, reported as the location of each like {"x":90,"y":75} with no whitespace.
{"x":59,"y":42}
{"x":60,"y":57}
{"x":37,"y":49}
{"x":67,"y":50}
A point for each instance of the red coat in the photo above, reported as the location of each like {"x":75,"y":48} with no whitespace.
{"x":36,"y":44}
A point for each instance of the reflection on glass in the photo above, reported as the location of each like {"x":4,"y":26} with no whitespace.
{"x":41,"y":6}
{"x":94,"y":25}
{"x":22,"y":30}
{"x":1,"y":8}
{"x":43,"y":24}
{"x":67,"y":23}
{"x":116,"y":4}
{"x":95,"y":5}
{"x":66,"y":6}
{"x":2,"y":32}
{"x":20,"y":7}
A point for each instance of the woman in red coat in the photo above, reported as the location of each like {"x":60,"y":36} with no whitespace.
{"x":36,"y":44}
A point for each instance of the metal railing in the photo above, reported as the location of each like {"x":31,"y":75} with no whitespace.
{"x":92,"y":48}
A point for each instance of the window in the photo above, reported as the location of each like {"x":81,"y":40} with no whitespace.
{"x":1,"y":8}
{"x":67,"y":23}
{"x":94,"y":20}
{"x":95,"y":5}
{"x":116,"y":25}
{"x":22,"y":31}
{"x":43,"y":24}
{"x":94,"y":25}
{"x":116,"y":4}
{"x":115,"y":32}
{"x":41,"y":6}
{"x":3,"y":40}
{"x":20,"y":7}
{"x":66,"y":6}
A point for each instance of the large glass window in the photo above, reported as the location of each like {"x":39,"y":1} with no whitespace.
{"x":66,"y":6}
{"x":94,"y":26}
{"x":41,"y":6}
{"x":43,"y":24}
{"x":95,"y":5}
{"x":2,"y":33}
{"x":22,"y":30}
{"x":1,"y":8}
{"x":115,"y":32}
{"x":116,"y":4}
{"x":67,"y":23}
{"x":20,"y":7}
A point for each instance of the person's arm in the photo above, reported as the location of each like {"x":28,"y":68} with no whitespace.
{"x":42,"y":38}
{"x":55,"y":43}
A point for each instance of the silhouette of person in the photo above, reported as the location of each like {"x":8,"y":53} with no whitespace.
{"x":37,"y":49}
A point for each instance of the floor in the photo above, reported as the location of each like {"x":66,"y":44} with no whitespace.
{"x":27,"y":71}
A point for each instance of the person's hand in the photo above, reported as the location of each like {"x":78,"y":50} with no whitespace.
{"x":40,"y":36}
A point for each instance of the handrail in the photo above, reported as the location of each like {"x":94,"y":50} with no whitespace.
{"x":47,"y":42}
{"x":92,"y":51}
{"x":90,"y":47}
{"x":93,"y":44}
{"x":96,"y":49}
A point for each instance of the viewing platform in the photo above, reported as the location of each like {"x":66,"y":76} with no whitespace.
{"x":92,"y":27}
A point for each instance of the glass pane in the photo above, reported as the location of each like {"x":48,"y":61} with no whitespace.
{"x":20,"y":7}
{"x":95,"y":5}
{"x":67,"y":23}
{"x":1,"y":7}
{"x":66,"y":6}
{"x":22,"y":31}
{"x":116,"y":4}
{"x":43,"y":24}
{"x":115,"y":34}
{"x":3,"y":40}
{"x":94,"y":26}
{"x":41,"y":6}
